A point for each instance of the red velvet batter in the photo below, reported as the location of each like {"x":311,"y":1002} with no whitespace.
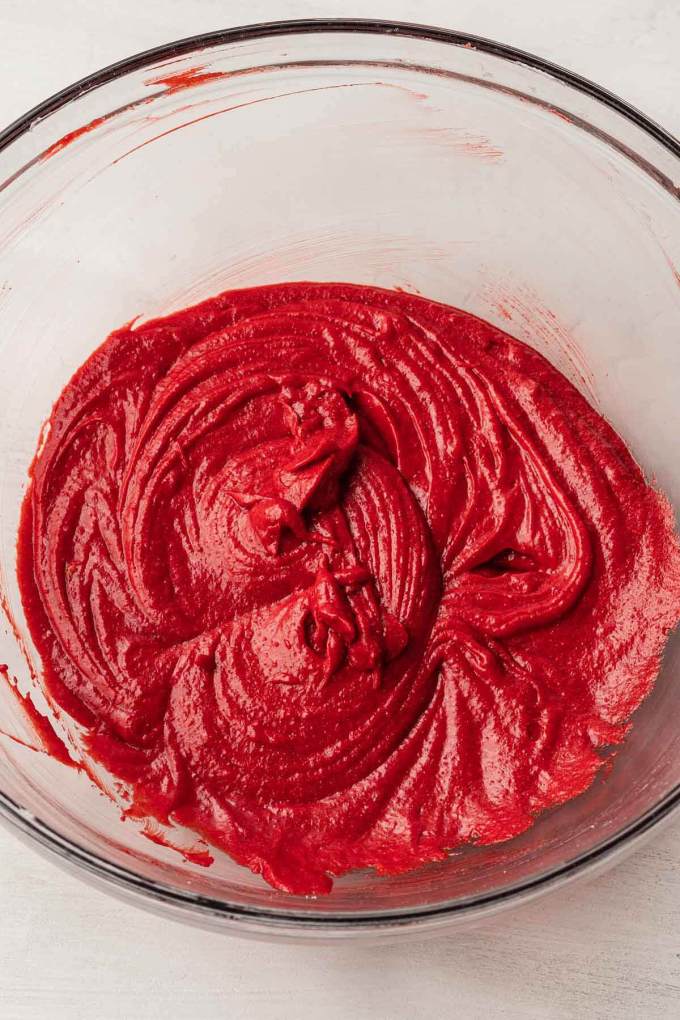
{"x":341,"y":577}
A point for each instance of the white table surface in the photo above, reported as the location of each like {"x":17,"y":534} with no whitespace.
{"x":609,"y":948}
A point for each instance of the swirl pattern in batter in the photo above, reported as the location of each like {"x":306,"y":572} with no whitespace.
{"x":340,"y":577}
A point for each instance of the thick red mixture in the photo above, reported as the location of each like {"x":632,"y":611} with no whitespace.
{"x":340,"y":577}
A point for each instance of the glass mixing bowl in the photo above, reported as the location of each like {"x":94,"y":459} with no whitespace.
{"x":376,"y":153}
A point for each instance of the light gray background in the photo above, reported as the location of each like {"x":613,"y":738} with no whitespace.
{"x":610,"y":948}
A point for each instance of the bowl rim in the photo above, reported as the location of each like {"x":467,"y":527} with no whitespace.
{"x":109,"y":874}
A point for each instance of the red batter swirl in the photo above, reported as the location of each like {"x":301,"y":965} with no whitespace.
{"x":341,"y":577}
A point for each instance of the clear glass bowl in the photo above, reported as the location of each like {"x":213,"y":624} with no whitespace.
{"x":377,"y":153}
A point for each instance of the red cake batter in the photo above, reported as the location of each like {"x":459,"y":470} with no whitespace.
{"x":341,"y":577}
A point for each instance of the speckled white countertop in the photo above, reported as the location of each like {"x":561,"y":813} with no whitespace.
{"x":609,"y":948}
